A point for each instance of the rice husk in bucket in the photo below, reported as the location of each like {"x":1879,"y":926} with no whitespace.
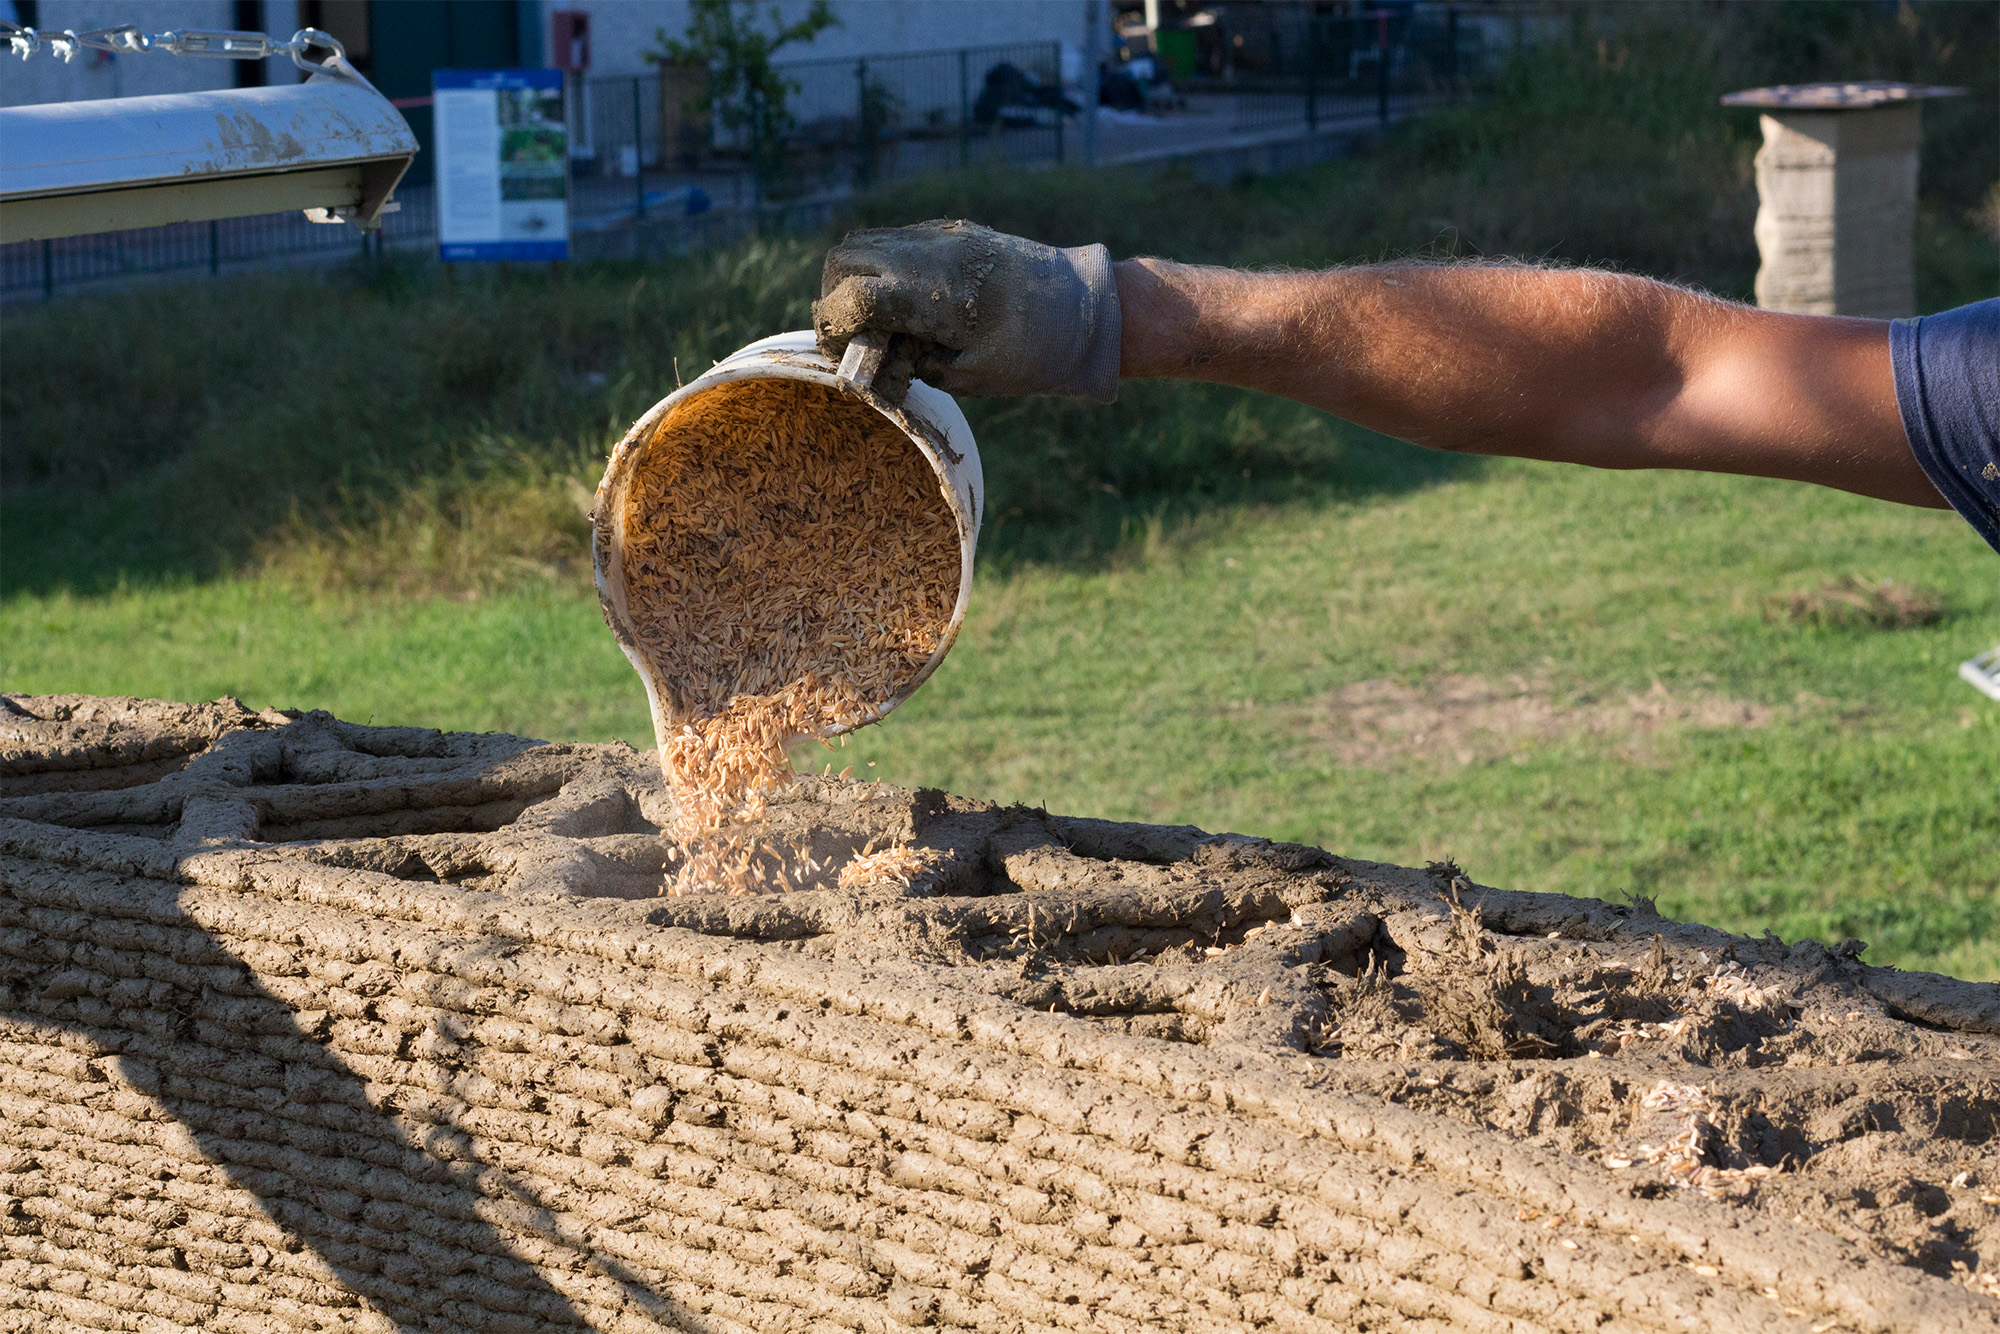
{"x":791,"y":563}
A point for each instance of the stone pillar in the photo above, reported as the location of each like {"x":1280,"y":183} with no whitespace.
{"x":1837,"y":196}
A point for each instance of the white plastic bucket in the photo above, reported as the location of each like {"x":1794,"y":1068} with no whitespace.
{"x":929,"y":418}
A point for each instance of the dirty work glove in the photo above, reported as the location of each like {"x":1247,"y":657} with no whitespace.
{"x":974,"y":311}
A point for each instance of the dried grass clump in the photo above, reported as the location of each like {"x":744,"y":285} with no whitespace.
{"x":1857,"y":603}
{"x":790,"y":564}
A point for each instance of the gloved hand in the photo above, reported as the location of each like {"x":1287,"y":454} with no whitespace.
{"x":974,"y":311}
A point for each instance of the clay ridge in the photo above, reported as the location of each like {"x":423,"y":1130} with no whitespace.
{"x":389,"y":1028}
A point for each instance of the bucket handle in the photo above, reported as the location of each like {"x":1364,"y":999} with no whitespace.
{"x":863,"y":358}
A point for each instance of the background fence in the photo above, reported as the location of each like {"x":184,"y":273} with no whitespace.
{"x":649,"y":155}
{"x":645,"y":148}
{"x":1330,"y":67}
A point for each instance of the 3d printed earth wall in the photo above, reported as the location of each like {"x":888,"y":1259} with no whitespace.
{"x":307,"y":1025}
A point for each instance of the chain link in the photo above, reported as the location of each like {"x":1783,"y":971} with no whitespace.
{"x":131,"y":39}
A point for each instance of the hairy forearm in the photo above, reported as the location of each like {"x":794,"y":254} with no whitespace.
{"x":1477,"y":359}
{"x":1571,"y":365}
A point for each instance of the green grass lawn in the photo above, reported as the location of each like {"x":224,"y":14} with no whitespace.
{"x":1192,"y":675}
{"x":358,"y":492}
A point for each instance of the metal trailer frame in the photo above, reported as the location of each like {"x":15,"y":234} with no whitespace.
{"x":332,"y":145}
{"x":1982,"y":673}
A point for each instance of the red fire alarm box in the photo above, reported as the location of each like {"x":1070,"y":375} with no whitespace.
{"x":571,"y":48}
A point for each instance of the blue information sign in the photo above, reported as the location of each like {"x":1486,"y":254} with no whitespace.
{"x":502,"y":164}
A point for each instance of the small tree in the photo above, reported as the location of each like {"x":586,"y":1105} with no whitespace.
{"x":748,"y":94}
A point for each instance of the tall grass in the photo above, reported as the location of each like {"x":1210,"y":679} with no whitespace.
{"x":317,"y":414}
{"x":412,"y":428}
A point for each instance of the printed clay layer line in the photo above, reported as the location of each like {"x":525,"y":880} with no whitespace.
{"x":448,"y":1066}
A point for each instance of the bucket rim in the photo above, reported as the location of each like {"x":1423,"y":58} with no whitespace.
{"x":793,"y":355}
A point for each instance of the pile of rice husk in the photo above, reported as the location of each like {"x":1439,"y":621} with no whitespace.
{"x":307,"y":1026}
{"x":790,"y":565}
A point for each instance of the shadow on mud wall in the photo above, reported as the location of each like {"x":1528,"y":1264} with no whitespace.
{"x":215,"y":1100}
{"x":384,"y":1213}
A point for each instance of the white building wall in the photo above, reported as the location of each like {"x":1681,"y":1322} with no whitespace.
{"x":621,"y":31}
{"x":94,"y":74}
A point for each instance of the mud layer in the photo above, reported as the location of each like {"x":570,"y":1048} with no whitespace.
{"x":307,"y":1025}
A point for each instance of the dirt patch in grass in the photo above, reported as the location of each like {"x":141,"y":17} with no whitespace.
{"x":1855,"y":603}
{"x":1467,"y":719}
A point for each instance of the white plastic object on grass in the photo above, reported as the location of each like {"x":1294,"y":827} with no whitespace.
{"x":1983,"y":672}
{"x":929,"y":418}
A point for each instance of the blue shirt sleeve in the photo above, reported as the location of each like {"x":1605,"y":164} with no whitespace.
{"x":1948,"y":391}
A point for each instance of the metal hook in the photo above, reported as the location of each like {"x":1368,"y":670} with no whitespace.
{"x":220,"y":45}
{"x":305,"y":39}
{"x":23,"y":42}
{"x":129,"y":39}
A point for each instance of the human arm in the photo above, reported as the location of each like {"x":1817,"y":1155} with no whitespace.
{"x":1568,"y":365}
{"x":1573,"y":365}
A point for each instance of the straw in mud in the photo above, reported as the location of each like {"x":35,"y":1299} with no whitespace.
{"x":892,"y":867}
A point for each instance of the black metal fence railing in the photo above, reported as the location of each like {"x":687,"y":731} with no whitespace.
{"x":49,"y":266}
{"x":908,"y":115}
{"x":651,"y":156}
{"x":1323,"y":69}
{"x":648,"y":145}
